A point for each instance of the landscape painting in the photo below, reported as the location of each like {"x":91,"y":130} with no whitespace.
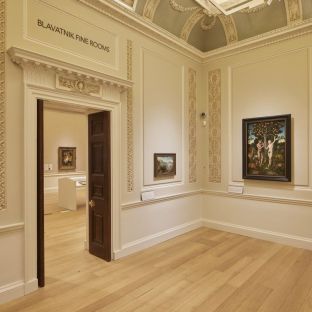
{"x":164,"y":165}
{"x":267,"y":148}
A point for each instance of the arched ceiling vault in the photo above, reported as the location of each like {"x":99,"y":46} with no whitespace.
{"x":205,"y":31}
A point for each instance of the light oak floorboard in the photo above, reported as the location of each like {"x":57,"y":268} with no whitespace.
{"x":202,"y":271}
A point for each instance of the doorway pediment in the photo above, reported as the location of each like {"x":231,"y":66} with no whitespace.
{"x":52,"y":73}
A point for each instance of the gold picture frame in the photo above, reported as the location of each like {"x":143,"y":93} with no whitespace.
{"x":66,"y":158}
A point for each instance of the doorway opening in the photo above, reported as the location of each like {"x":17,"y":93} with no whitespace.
{"x":73,"y":186}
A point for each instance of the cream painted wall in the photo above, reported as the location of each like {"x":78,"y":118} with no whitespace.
{"x":162,"y":220}
{"x":271,"y":80}
{"x":67,"y":129}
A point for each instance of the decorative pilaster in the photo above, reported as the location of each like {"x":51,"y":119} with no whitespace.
{"x":130,"y":171}
{"x":192,"y":126}
{"x":214,"y":125}
{"x":2,"y":108}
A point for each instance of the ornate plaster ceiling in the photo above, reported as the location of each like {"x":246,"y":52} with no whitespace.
{"x":187,"y":20}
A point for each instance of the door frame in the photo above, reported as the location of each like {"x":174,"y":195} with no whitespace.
{"x":32,"y":94}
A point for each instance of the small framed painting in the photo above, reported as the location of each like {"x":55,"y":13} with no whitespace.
{"x":164,"y":165}
{"x":67,"y":158}
{"x":267,"y":148}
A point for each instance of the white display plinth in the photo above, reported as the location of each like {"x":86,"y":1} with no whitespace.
{"x":67,"y":196}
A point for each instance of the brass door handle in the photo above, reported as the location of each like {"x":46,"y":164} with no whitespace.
{"x":92,"y":203}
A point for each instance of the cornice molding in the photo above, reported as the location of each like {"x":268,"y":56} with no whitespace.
{"x":278,"y":35}
{"x":25,"y":58}
{"x":144,"y":26}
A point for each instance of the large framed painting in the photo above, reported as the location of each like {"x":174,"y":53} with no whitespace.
{"x":164,"y":165}
{"x":267,"y":148}
{"x":67,"y":158}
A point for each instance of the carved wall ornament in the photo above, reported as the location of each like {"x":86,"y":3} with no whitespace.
{"x":180,"y":8}
{"x":294,"y":11}
{"x":77,"y":85}
{"x":192,"y":125}
{"x":229,"y":28}
{"x":130,"y":149}
{"x":208,"y":25}
{"x":190,"y":23}
{"x":214,"y":125}
{"x":150,"y":9}
{"x":2,"y":108}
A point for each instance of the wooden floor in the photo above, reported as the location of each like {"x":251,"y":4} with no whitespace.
{"x":204,"y":270}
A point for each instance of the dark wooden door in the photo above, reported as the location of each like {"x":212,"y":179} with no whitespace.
{"x":40,"y":196}
{"x":100,"y":185}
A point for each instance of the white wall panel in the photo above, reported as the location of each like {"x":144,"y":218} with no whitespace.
{"x":274,"y":86}
{"x":163,"y":112}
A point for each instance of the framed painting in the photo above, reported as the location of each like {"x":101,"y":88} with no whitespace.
{"x":267,"y":148}
{"x":67,"y":158}
{"x":164,"y":165}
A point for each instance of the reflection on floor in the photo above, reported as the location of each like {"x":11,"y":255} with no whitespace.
{"x":51,"y":201}
{"x":203,"y":270}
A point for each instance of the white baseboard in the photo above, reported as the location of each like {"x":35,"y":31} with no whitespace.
{"x":11,"y":291}
{"x":16,"y":290}
{"x":31,"y":286}
{"x":281,"y":238}
{"x":157,"y":238}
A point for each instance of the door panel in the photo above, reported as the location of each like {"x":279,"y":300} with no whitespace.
{"x":100,"y":185}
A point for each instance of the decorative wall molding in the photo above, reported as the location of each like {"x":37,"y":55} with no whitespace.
{"x":192,"y":125}
{"x":2,"y":109}
{"x":294,"y":11}
{"x":214,"y":125}
{"x":159,"y":200}
{"x":229,"y":27}
{"x":190,"y":23}
{"x":77,"y":85}
{"x":150,"y":9}
{"x":44,"y":71}
{"x":269,"y":199}
{"x":11,"y":227}
{"x":180,"y":8}
{"x":130,"y":148}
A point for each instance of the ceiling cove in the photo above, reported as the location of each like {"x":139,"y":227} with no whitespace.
{"x":210,"y":30}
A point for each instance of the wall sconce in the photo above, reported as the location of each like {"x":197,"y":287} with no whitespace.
{"x":203,"y":117}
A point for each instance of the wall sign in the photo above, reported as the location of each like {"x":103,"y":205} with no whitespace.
{"x":53,"y":27}
{"x":71,"y":35}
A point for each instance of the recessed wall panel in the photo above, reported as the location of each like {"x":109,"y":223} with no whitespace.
{"x":274,"y":86}
{"x":162,"y":112}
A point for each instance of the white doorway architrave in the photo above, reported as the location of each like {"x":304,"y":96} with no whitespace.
{"x":53,"y":80}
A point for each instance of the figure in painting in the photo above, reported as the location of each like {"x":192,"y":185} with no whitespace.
{"x":260,"y":148}
{"x":269,"y":148}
